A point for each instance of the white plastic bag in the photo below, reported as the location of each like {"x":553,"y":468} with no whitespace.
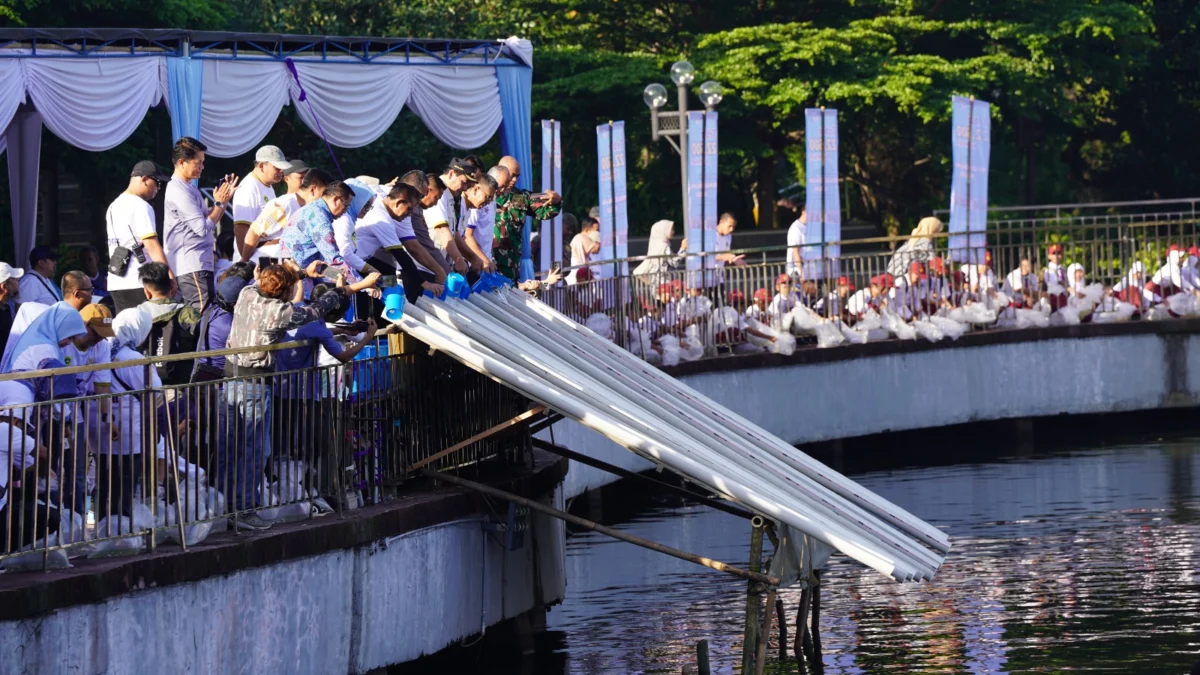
{"x":852,"y":335}
{"x":601,"y":325}
{"x":869,"y":321}
{"x":828,"y":335}
{"x":1184,"y":304}
{"x":1123,"y":311}
{"x":804,"y":321}
{"x":1157,"y":313}
{"x":115,"y":526}
{"x":928,"y":330}
{"x":670,"y":350}
{"x":952,"y":329}
{"x":896,"y":326}
{"x":1032,"y":318}
{"x":784,"y":344}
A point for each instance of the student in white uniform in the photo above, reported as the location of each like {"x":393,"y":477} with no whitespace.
{"x":979,"y":279}
{"x":91,"y":350}
{"x":833,"y":305}
{"x":784,"y":301}
{"x":910,"y":297}
{"x":1076,"y":279}
{"x":1168,"y":280}
{"x":1133,"y":288}
{"x":262,"y":237}
{"x":256,"y":190}
{"x":870,"y":298}
{"x":1021,"y":285}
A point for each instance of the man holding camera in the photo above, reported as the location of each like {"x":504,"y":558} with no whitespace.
{"x":132,"y":237}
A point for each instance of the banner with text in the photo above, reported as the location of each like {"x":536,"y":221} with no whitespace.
{"x":710,"y":194}
{"x":971,"y":137}
{"x":605,"y":173}
{"x":695,"y":192}
{"x":620,"y":199}
{"x":550,"y":234}
{"x":822,"y":199}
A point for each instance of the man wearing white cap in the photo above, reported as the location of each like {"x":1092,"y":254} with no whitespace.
{"x":9,"y":289}
{"x":255,"y":190}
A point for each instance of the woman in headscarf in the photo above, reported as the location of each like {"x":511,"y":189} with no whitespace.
{"x":1168,"y":280}
{"x":1076,"y":279}
{"x":45,"y":337}
{"x":918,"y":248}
{"x":124,"y":451}
{"x":27,"y":432}
{"x":658,"y":260}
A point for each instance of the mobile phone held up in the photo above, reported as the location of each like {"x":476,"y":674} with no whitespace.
{"x":387,"y":281}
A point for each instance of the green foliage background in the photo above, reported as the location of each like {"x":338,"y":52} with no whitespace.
{"x":1092,"y":99}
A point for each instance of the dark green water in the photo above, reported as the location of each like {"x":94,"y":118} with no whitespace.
{"x":1081,"y":561}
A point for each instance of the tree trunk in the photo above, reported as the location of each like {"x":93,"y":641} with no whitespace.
{"x":765,"y":192}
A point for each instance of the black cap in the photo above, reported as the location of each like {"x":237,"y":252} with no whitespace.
{"x":42,"y":253}
{"x":297,"y":167}
{"x":148,"y":169}
{"x":464,"y":167}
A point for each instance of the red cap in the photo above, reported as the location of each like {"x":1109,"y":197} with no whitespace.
{"x":1055,"y":248}
{"x":987,"y":257}
{"x":664,"y":288}
{"x":1174,"y":247}
{"x":938,"y":265}
{"x":1195,"y":250}
{"x":677,"y":284}
{"x":735,"y":296}
{"x":761,"y":294}
{"x":647,"y":305}
{"x":889,"y":281}
{"x":877,"y":280}
{"x":916,"y":266}
{"x":783,"y":279}
{"x":958,"y":277}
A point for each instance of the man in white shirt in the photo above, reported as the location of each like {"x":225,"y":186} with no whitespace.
{"x":255,"y":191}
{"x":130,"y":224}
{"x":796,"y":237}
{"x":386,"y":239}
{"x":442,"y":217}
{"x":262,"y":237}
{"x":1021,"y":285}
{"x":37,"y":285}
{"x":479,"y":223}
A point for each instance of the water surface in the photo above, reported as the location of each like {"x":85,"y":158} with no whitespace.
{"x":1080,"y":561}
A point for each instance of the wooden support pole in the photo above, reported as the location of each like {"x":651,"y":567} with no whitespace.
{"x":597,"y":527}
{"x":764,"y":634}
{"x":702,"y":665}
{"x":781,"y":616}
{"x":507,"y":424}
{"x":750,"y":638}
{"x":818,"y":661}
{"x":801,"y":622}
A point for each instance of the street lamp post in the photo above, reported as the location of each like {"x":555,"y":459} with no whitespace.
{"x":670,"y":123}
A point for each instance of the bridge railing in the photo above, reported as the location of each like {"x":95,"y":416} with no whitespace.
{"x":151,"y":466}
{"x":635,"y":307}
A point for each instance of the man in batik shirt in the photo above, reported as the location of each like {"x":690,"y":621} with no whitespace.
{"x":512,"y":206}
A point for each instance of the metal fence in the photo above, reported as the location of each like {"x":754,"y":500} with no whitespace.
{"x":679,"y":302}
{"x":150,"y":465}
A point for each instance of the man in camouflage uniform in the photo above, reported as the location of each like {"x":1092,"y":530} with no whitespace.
{"x":512,"y":206}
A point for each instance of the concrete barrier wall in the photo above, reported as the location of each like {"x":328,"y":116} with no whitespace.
{"x":828,"y":396}
{"x":346,"y":611}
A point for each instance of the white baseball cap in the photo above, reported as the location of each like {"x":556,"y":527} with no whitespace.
{"x":9,"y":272}
{"x":272,"y":155}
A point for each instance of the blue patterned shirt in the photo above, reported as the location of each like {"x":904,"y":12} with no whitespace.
{"x":309,"y":236}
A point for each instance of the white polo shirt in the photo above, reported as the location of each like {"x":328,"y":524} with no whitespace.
{"x":129,"y":222}
{"x":249,"y":199}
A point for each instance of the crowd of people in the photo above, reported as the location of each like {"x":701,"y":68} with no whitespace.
{"x":670,"y":314}
{"x":308,"y":258}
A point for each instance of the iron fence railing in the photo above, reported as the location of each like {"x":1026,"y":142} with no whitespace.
{"x":152,"y":465}
{"x":675,"y":301}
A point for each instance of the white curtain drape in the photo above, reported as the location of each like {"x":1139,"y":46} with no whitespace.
{"x":12,"y":90}
{"x":461,"y":106}
{"x":240,"y":103}
{"x":94,"y":103}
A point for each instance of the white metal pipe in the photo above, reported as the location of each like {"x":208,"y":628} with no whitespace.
{"x":703,"y":430}
{"x":481,"y":328}
{"x":499,"y":369}
{"x":751,"y":432}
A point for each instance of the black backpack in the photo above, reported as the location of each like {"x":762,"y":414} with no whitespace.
{"x":168,"y":337}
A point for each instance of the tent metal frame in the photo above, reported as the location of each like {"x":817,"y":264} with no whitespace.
{"x":230,"y":46}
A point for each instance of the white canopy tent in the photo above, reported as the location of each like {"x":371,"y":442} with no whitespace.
{"x":92,"y":89}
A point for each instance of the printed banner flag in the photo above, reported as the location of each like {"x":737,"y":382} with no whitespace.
{"x":605,"y":172}
{"x":971,"y":124}
{"x":545,"y":229}
{"x":695,"y":190}
{"x":710,"y":192}
{"x":620,"y":199}
{"x":822,"y":200}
